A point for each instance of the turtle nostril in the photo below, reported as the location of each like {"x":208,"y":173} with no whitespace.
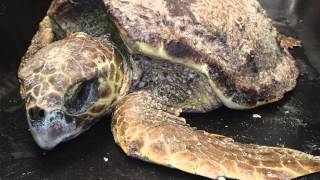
{"x":36,"y":113}
{"x":41,"y":113}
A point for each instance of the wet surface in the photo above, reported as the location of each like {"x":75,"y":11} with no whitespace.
{"x":293,"y":122}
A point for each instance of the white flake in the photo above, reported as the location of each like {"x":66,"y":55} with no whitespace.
{"x":257,"y":116}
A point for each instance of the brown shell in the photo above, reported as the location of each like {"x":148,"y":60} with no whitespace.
{"x":235,"y":40}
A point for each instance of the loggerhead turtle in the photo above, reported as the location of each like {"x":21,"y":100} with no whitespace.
{"x":148,"y":61}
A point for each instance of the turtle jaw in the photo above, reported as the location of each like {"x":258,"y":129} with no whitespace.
{"x":52,"y":129}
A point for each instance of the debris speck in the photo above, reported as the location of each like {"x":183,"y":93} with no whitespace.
{"x":26,"y":173}
{"x":256,"y":116}
{"x":286,"y":112}
{"x":105,"y":159}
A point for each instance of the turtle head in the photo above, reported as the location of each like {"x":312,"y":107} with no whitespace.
{"x":69,"y":84}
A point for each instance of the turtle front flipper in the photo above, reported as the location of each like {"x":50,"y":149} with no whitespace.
{"x":148,"y":130}
{"x":289,"y":42}
{"x":44,"y":36}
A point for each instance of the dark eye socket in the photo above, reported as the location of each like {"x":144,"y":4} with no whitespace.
{"x":82,"y":96}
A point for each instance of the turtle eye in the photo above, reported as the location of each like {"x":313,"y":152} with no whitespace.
{"x":81,"y":96}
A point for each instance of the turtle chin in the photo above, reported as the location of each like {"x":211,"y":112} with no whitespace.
{"x":52,"y":129}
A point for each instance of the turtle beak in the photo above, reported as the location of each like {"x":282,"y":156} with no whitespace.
{"x":50,"y":128}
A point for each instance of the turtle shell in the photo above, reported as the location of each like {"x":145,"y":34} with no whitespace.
{"x":233,"y":43}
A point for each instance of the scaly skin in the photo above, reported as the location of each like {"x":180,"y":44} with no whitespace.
{"x":43,"y":37}
{"x":51,"y":79}
{"x":148,"y":130}
{"x":51,"y":75}
{"x":62,"y":59}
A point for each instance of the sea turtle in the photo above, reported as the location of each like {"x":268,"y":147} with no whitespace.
{"x":149,"y":60}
